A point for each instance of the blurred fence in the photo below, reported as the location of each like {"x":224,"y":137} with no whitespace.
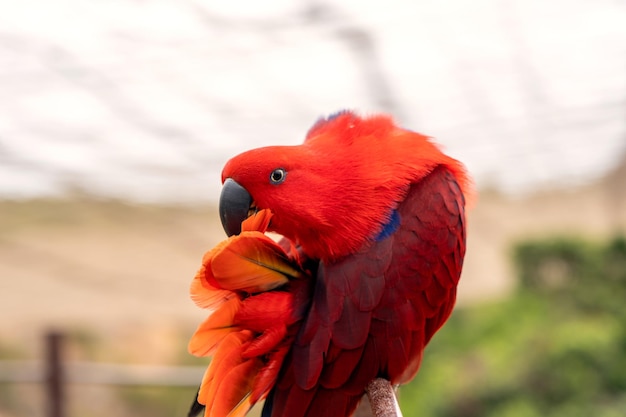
{"x":55,"y":373}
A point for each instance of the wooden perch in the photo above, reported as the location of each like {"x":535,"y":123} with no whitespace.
{"x":382,"y":398}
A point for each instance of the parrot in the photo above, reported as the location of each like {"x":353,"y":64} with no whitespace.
{"x":342,"y":261}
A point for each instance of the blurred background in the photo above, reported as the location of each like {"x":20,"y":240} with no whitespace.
{"x":116,"y":118}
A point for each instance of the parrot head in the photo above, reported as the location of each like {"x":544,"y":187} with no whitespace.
{"x":334,"y":192}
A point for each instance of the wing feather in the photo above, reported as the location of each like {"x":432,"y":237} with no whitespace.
{"x":340,"y":370}
{"x":373,"y":312}
{"x":352,"y":328}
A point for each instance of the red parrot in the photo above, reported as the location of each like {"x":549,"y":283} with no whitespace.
{"x":373,"y":224}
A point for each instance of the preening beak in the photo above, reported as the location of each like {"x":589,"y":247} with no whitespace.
{"x":235,"y":203}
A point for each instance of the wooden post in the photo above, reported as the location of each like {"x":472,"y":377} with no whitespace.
{"x":383,"y":398}
{"x":54,"y":374}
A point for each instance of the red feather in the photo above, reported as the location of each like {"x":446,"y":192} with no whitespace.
{"x":249,"y":283}
{"x":377,"y":214}
{"x":417,"y":295}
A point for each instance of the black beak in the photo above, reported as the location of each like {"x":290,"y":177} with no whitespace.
{"x":235,"y":203}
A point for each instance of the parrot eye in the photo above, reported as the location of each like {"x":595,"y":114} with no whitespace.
{"x":278,"y":175}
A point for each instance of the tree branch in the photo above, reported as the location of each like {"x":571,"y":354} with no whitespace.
{"x":382,"y":398}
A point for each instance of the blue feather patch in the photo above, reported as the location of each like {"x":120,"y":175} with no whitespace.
{"x":390,"y":227}
{"x":338,"y":113}
{"x":322,"y":121}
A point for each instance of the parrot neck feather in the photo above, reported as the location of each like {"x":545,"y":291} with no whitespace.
{"x":342,"y":184}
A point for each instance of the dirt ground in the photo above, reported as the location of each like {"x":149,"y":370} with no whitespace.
{"x":102,"y":267}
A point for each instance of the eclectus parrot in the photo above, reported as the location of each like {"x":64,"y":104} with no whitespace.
{"x":372,"y":219}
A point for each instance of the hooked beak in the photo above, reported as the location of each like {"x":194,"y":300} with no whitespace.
{"x":235,"y":202}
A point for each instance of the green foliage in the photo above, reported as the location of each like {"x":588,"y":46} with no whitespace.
{"x":557,"y":348}
{"x":575,"y":274}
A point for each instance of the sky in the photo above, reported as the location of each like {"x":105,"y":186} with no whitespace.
{"x":146,"y":101}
